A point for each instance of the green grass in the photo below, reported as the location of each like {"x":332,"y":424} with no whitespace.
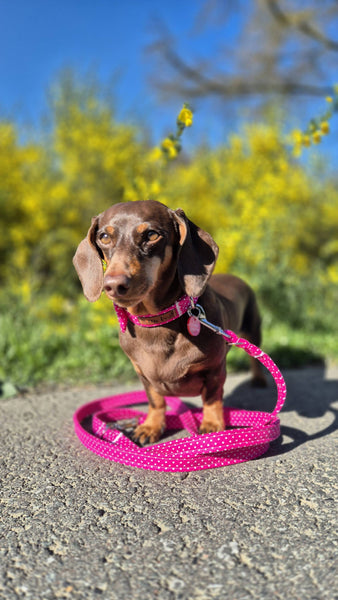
{"x":73,"y":347}
{"x":67,"y":350}
{"x":290,"y":348}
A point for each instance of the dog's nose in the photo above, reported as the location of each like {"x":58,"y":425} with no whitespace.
{"x":116,"y":285}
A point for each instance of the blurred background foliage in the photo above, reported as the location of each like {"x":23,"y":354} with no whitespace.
{"x":275,"y":221}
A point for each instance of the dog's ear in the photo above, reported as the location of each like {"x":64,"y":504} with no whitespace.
{"x":88,"y":264}
{"x":197,"y":255}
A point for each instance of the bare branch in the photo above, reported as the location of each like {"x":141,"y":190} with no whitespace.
{"x":259,"y":60}
{"x":306,"y":28}
{"x":199,"y":85}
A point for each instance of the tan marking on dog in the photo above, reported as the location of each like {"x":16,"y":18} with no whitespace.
{"x":134,"y":267}
{"x":110,"y":229}
{"x":213,"y":419}
{"x":183,"y":232}
{"x":156,"y":399}
{"x":154,"y":425}
{"x":142,"y":228}
{"x":152,"y":428}
{"x":136,"y":367}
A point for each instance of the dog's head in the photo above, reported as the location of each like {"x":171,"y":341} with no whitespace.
{"x":144,"y":244}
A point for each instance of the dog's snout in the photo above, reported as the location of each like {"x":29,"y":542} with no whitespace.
{"x":116,"y":285}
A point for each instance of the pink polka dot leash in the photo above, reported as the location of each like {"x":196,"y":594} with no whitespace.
{"x":97,"y":423}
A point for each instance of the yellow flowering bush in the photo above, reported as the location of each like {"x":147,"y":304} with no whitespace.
{"x":276,"y":224}
{"x":317,"y":127}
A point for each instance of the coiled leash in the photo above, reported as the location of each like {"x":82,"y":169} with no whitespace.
{"x":254,"y":430}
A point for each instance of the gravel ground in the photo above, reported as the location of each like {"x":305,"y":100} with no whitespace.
{"x":77,"y":526}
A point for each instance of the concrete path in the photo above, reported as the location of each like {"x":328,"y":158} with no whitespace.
{"x":77,"y":526}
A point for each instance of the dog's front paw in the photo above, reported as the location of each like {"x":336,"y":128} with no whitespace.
{"x":146,"y":433}
{"x":211,"y":426}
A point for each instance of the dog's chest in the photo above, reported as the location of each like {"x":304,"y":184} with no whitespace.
{"x":160,"y":354}
{"x":170,"y":361}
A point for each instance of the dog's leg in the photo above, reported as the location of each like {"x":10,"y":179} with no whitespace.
{"x":212,"y":396}
{"x":258,"y":378}
{"x":154,"y":425}
{"x":251,"y":331}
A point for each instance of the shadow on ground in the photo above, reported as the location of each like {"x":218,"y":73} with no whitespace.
{"x":309,"y":396}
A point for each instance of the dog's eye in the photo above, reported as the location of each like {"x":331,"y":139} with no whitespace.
{"x":152,"y":236}
{"x":105,"y":238}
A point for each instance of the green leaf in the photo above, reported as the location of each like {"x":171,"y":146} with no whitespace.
{"x":7,"y":389}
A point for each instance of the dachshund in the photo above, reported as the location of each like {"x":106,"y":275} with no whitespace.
{"x":155,"y":256}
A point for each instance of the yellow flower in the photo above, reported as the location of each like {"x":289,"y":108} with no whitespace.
{"x":328,"y":99}
{"x":325,"y":127}
{"x":56,"y":304}
{"x":169,"y":147}
{"x":185,"y":117}
{"x":155,"y":188}
{"x":317,"y":137}
{"x":26,"y":291}
{"x":296,"y":139}
{"x":306,"y":140}
{"x":155,"y":154}
{"x":296,"y":136}
{"x":332,"y":273}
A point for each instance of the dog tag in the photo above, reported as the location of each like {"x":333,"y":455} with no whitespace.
{"x":194,"y":326}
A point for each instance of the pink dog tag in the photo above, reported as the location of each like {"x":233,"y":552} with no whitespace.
{"x":194,"y":326}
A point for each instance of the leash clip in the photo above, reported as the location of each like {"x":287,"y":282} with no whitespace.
{"x":198,"y":312}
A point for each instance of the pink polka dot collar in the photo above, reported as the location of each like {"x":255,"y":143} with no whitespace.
{"x":161,"y":318}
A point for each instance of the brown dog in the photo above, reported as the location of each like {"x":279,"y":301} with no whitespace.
{"x":154,"y":256}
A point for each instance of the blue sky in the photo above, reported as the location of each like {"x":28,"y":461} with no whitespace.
{"x":40,"y":37}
